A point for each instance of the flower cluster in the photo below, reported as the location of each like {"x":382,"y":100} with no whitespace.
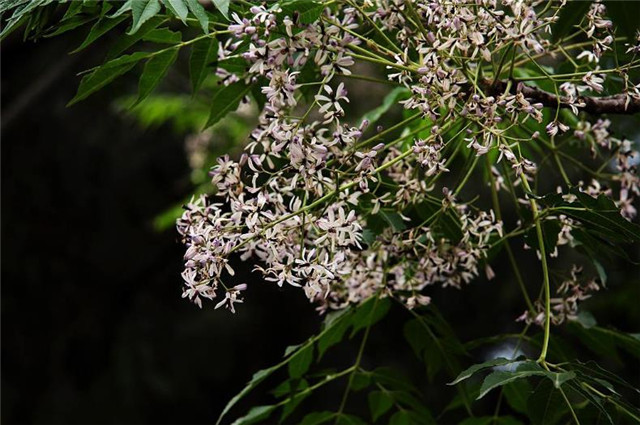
{"x":625,"y":163}
{"x":315,"y":204}
{"x":565,"y":305}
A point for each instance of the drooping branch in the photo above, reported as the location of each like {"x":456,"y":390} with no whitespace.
{"x":616,"y":104}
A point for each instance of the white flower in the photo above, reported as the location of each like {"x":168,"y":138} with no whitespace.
{"x":330,"y":103}
{"x":593,"y":81}
{"x":231,"y":297}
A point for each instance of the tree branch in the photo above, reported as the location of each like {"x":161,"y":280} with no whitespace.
{"x":594,"y":105}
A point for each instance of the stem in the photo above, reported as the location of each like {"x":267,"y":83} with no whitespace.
{"x":463,"y":393}
{"x":166,"y":49}
{"x":568,"y":403}
{"x":381,"y":62}
{"x":329,"y":378}
{"x":388,"y":130}
{"x":466,"y":176}
{"x":370,"y":79}
{"x":378,"y":30}
{"x":512,"y":259}
{"x":611,"y":400}
{"x":365,"y":337}
{"x":545,"y":274}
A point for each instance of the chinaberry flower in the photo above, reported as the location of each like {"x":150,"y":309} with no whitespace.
{"x":593,"y":81}
{"x":231,"y":297}
{"x":330,"y":103}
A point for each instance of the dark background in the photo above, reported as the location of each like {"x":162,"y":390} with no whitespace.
{"x":93,"y":326}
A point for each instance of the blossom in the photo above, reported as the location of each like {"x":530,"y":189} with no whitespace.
{"x":341,"y":212}
{"x":593,"y":81}
{"x":341,"y":230}
{"x":231,"y":297}
{"x":330,"y":103}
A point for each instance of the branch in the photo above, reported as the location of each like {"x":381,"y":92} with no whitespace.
{"x":594,"y":105}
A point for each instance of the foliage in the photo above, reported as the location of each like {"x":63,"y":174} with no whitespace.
{"x":516,"y":96}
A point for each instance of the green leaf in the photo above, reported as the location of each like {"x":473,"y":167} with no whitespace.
{"x":306,"y":11}
{"x":491,"y":420}
{"x":360,"y":381}
{"x":517,"y":393}
{"x":394,"y":219}
{"x":178,"y":7}
{"x":596,"y":403}
{"x":379,"y":403}
{"x":569,"y":16}
{"x":368,"y":237}
{"x":389,"y":100}
{"x":154,"y":70}
{"x":73,"y":10}
{"x":414,"y":334}
{"x":126,"y":41}
{"x":256,"y":414}
{"x":163,"y":36}
{"x":142,"y":11}
{"x":560,"y":378}
{"x":331,"y":336}
{"x":234,"y":65}
{"x":546,"y":405}
{"x":369,"y":313}
{"x":222,"y":6}
{"x":294,"y":389}
{"x":628,"y":342}
{"x":346,"y":419}
{"x":289,"y":387}
{"x":100,"y":28}
{"x":448,"y":223}
{"x":600,"y":343}
{"x":392,"y":379}
{"x":226,"y":99}
{"x":417,"y":407}
{"x":433,"y":360}
{"x":465,"y":374}
{"x":300,"y":362}
{"x":334,"y":316}
{"x":200,"y":14}
{"x":550,"y":230}
{"x":203,"y":52}
{"x":499,"y":378}
{"x":401,"y":417}
{"x":257,"y":378}
{"x":105,"y":74}
{"x":595,"y":246}
{"x":291,"y":349}
{"x":256,"y":92}
{"x":70,"y":24}
{"x":317,"y":418}
{"x":602,"y":274}
{"x":586,"y":319}
{"x":20,"y":14}
{"x":126,"y":6}
{"x":622,"y":14}
{"x":600,"y":215}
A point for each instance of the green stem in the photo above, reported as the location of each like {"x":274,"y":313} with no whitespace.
{"x":568,"y":403}
{"x":514,"y":265}
{"x":466,"y":176}
{"x":545,"y":273}
{"x":388,"y":130}
{"x":345,"y":396}
{"x":463,"y":393}
{"x":174,"y":46}
{"x":382,"y":62}
{"x":328,"y":378}
{"x":370,"y":79}
{"x":378,"y":30}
